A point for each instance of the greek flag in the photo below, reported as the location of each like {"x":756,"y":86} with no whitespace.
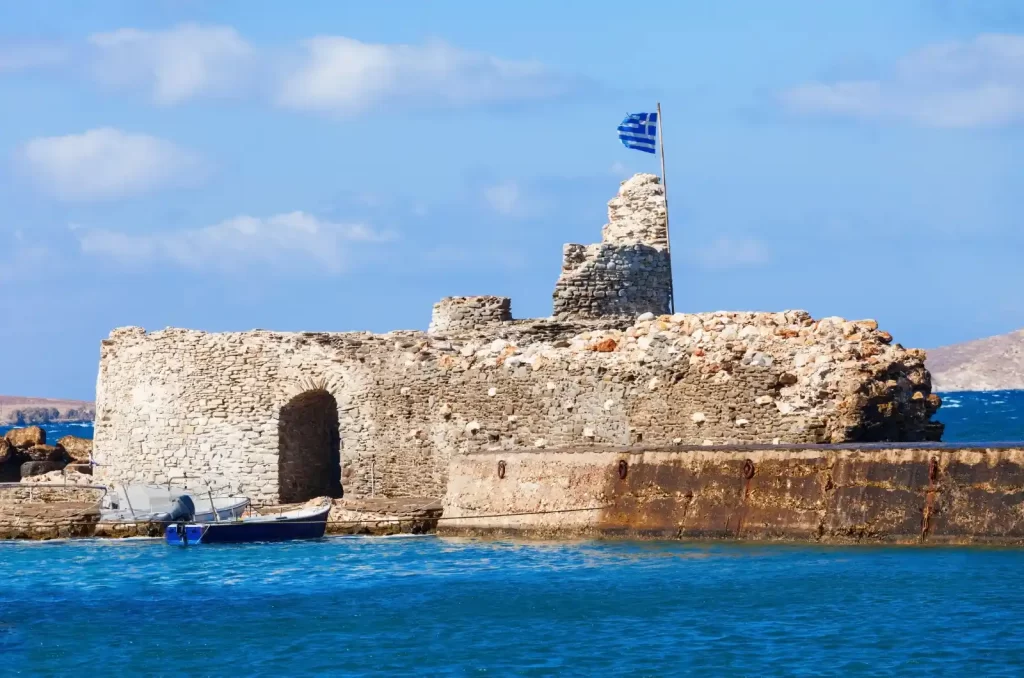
{"x":639,"y":131}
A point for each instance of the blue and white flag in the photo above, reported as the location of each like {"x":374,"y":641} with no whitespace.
{"x":639,"y":131}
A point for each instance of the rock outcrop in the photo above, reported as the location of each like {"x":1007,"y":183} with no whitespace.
{"x":77,"y":449}
{"x":23,"y":438}
{"x":989,"y":364}
{"x":24,"y":453}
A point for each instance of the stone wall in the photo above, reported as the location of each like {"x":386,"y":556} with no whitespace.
{"x":453,"y":314}
{"x":872,"y":493}
{"x":629,"y":272}
{"x":178,"y":402}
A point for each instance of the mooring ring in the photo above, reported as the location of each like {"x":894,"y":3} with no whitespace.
{"x":501,"y":469}
{"x":748,"y":469}
{"x":623,"y":469}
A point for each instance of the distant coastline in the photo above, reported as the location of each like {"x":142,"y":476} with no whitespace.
{"x":21,"y":410}
{"x":989,"y":364}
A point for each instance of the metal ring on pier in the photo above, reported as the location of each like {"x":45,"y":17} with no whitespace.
{"x":623,"y":469}
{"x":933,"y":470}
{"x":748,"y":469}
{"x":501,"y":469}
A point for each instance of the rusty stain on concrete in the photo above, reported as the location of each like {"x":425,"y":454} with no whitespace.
{"x":872,"y":493}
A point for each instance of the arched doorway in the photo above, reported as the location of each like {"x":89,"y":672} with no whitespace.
{"x":309,"y":448}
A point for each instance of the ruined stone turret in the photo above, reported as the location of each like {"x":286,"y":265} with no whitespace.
{"x":628,"y":273}
{"x":452,"y":314}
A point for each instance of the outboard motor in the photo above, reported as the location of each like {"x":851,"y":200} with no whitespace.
{"x":183,"y":510}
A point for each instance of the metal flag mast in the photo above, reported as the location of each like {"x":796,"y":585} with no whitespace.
{"x":668,"y":239}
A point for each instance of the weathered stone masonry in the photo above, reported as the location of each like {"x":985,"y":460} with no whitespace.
{"x":628,"y":272}
{"x":257,"y":408}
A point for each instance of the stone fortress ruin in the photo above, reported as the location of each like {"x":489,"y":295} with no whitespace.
{"x":285,"y":417}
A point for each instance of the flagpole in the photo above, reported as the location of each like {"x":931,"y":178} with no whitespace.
{"x":668,"y":239}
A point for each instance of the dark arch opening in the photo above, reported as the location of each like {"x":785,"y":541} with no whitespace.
{"x":309,"y":448}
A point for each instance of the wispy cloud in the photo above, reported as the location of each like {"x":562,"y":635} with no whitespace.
{"x":331,"y":74}
{"x":296,"y":240}
{"x":23,"y":56}
{"x":105,"y":164}
{"x":504,"y":198}
{"x":732,"y":253}
{"x":174,"y":65}
{"x":979,"y":82}
{"x":342,"y":75}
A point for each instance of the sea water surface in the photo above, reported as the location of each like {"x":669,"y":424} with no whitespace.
{"x":427,"y":605}
{"x":433,"y":606}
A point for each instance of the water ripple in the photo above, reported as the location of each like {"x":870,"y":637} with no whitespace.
{"x":450,"y":607}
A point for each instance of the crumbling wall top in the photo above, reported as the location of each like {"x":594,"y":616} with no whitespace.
{"x":638,"y":213}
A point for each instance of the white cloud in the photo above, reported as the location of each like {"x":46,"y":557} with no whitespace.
{"x":343,"y":75}
{"x":729,"y":253}
{"x":106,"y":163}
{"x":618,"y":169}
{"x":174,"y":65}
{"x":295,"y":240}
{"x":328,"y":73}
{"x":504,"y":198}
{"x":972,"y":83}
{"x":30,"y":55}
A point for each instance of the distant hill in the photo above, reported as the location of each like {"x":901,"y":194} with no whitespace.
{"x":990,"y":364}
{"x":20,"y":410}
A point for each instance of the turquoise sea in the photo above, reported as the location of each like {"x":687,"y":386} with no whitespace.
{"x":433,"y":606}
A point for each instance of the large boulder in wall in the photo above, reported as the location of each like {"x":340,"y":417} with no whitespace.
{"x":37,"y":468}
{"x":44,"y":453}
{"x":26,"y":437}
{"x":77,"y":449}
{"x":10,"y":462}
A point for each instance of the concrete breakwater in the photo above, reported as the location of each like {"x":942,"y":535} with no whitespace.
{"x":887,"y":493}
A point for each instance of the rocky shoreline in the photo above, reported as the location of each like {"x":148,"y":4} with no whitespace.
{"x":25,"y":456}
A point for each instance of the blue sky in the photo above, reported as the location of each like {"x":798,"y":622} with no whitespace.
{"x":340,"y":166}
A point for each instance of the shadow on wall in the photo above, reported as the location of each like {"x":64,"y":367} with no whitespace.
{"x":309,"y":448}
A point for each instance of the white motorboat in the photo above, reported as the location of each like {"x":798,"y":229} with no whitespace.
{"x":128,"y":503}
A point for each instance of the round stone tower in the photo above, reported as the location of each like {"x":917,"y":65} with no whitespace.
{"x":454,"y":314}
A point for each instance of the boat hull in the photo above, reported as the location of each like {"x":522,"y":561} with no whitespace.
{"x":271,"y":529}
